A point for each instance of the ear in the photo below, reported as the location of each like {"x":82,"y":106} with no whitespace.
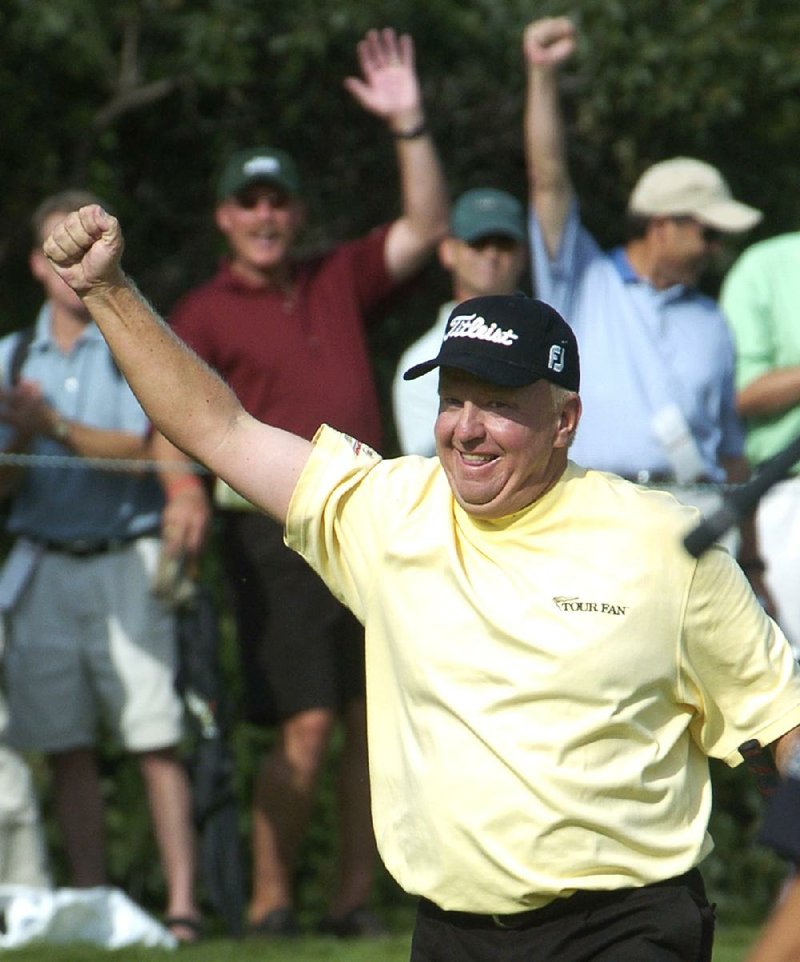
{"x":446,"y":252}
{"x":568,"y":420}
{"x":222,"y":216}
{"x":39,"y":265}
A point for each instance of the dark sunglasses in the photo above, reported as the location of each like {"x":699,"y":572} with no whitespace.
{"x":251,"y":197}
{"x":501,"y":241}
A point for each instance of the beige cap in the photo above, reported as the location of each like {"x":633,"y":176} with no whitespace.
{"x":683,"y":185}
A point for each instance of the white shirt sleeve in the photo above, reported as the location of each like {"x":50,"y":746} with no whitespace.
{"x":416,"y":403}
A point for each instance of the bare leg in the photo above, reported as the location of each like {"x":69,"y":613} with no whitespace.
{"x":357,"y":852}
{"x":779,"y":940}
{"x":169,"y":798}
{"x":80,"y":813}
{"x":282,"y":803}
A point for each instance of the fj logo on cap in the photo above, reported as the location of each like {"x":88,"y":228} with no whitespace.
{"x":555,"y":360}
{"x":475,"y":327}
{"x":262,"y":165}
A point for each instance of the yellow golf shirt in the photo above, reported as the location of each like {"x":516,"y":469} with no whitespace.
{"x":542,"y":690}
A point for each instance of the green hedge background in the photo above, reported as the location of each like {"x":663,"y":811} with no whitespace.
{"x":141,"y":99}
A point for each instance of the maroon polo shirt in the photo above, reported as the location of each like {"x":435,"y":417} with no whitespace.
{"x":298,"y":360}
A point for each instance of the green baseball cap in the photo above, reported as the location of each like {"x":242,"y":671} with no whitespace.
{"x":486,"y":211}
{"x":258,"y":165}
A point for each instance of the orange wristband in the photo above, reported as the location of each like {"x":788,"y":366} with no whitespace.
{"x":183,"y":484}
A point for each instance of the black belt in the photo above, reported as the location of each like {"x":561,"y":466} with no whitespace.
{"x":88,"y":548}
{"x":578,"y":902}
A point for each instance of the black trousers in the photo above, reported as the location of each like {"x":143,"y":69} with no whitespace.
{"x":669,"y":921}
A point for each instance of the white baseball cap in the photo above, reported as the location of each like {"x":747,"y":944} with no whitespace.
{"x":685,"y":186}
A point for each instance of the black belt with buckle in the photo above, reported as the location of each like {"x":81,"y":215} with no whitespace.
{"x":578,"y":902}
{"x":88,"y":548}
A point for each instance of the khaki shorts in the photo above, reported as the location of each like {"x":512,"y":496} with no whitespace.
{"x":23,"y":858}
{"x":87,"y":638}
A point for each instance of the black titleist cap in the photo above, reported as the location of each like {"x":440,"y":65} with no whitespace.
{"x":507,"y":339}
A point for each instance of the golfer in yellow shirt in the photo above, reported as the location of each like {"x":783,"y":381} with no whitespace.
{"x":548,"y":670}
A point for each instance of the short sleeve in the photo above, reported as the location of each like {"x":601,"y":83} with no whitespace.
{"x":737,"y":669}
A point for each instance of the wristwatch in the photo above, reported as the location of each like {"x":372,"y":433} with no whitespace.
{"x":60,"y":429}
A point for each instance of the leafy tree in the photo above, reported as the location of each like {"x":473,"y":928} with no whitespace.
{"x":142,"y":99}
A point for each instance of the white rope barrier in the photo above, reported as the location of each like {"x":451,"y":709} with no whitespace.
{"x":98,"y":464}
{"x":145,"y":464}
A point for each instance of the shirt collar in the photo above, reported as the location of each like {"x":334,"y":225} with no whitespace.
{"x":624,"y":267}
{"x":44,"y":337}
{"x":629,"y":276}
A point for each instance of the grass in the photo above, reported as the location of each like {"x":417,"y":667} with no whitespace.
{"x":392,"y":949}
{"x":731,"y":946}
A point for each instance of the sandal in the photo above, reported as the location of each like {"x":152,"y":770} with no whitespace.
{"x":186,"y":929}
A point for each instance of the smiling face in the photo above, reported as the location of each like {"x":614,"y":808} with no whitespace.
{"x":260,"y":224}
{"x":502,"y":448}
{"x":491,"y":265}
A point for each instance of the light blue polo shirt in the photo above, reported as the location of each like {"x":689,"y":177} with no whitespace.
{"x":640,"y":350}
{"x":65,"y":503}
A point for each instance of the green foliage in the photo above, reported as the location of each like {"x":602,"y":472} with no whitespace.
{"x":141,"y":99}
{"x":742,"y":876}
{"x":730,"y":946}
{"x":393,"y":949}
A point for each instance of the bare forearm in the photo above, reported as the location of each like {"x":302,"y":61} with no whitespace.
{"x":33,"y":417}
{"x":185,"y":400}
{"x":176,"y":472}
{"x":780,"y":939}
{"x":187,"y":510}
{"x":389,"y":88}
{"x":545,"y":145}
{"x":423,"y":186}
{"x":737,"y":471}
{"x":771,"y":393}
{"x":89,"y":442}
{"x":787,"y":751}
{"x":550,"y":187}
{"x":424,"y":219}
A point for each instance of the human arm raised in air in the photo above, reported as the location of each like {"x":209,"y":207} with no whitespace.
{"x":185,"y":400}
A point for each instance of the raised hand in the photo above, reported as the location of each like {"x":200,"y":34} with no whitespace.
{"x":85,"y":249}
{"x":549,"y":42}
{"x":390,"y":86}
